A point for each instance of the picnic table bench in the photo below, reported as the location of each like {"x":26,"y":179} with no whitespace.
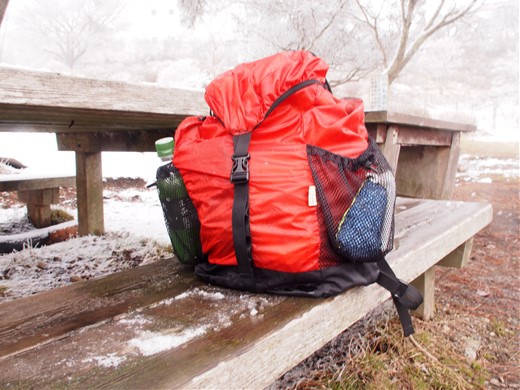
{"x":111,"y":332}
{"x":38,"y":192}
{"x":157,"y":326}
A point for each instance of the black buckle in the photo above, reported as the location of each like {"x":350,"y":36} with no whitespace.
{"x":240,"y":169}
{"x":408,"y":296}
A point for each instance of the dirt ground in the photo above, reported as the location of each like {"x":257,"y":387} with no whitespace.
{"x":481,"y":302}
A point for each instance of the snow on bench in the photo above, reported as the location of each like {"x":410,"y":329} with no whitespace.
{"x":38,"y":191}
{"x":157,"y":326}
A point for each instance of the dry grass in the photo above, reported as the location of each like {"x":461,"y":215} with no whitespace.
{"x":383,"y":359}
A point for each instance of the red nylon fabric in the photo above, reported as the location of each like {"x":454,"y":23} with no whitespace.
{"x":284,"y":228}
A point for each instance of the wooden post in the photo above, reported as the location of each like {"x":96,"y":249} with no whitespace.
{"x":451,"y":169}
{"x":391,"y":148}
{"x":459,"y":257}
{"x":425,"y":283}
{"x":89,"y":184}
{"x":39,"y":204}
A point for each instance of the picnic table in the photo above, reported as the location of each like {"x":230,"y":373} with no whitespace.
{"x":424,"y":152}
{"x":92,"y":116}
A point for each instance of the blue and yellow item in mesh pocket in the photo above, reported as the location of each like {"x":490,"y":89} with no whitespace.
{"x":359,"y":232}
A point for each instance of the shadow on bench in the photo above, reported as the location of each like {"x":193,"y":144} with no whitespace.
{"x":156,"y":326}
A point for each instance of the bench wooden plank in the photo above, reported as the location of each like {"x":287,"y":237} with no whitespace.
{"x":226,"y":339}
{"x":38,"y":192}
{"x":22,"y":182}
{"x":413,"y":120}
{"x":42,"y":101}
{"x":41,"y":318}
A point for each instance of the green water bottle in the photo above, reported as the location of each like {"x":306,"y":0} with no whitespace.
{"x":180,"y":215}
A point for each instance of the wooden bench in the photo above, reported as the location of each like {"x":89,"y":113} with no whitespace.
{"x":157,"y":326}
{"x":38,"y":192}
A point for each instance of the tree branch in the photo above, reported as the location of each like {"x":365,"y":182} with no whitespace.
{"x":3,"y":8}
{"x":446,"y":20}
{"x":404,"y":54}
{"x":373,"y":26}
{"x":343,"y":3}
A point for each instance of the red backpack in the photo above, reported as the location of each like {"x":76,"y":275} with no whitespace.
{"x":292,"y":195}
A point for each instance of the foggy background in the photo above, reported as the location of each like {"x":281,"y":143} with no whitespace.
{"x":451,"y":60}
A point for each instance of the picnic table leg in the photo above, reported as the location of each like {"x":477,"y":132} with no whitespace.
{"x":39,"y":204}
{"x":428,"y":171}
{"x":89,"y":185}
{"x":391,"y":148}
{"x":451,"y":169}
{"x":425,"y":283}
{"x":459,"y":257}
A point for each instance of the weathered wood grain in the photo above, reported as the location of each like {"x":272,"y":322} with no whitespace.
{"x":23,"y":182}
{"x":112,"y":141}
{"x":398,"y":118}
{"x":41,"y":318}
{"x":237,"y":340}
{"x":89,"y":193}
{"x":39,"y":101}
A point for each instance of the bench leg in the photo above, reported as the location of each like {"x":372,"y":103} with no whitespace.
{"x":39,"y":204}
{"x":89,"y":185}
{"x":459,"y":257}
{"x":425,"y":283}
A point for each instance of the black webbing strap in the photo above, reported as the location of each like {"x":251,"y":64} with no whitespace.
{"x":406,"y":297}
{"x":240,"y":180}
{"x":240,"y":212}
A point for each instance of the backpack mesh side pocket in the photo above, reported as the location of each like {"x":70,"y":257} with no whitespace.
{"x":357,"y":200}
{"x":180,"y":215}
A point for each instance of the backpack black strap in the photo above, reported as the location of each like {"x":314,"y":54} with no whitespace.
{"x":406,"y":297}
{"x":240,"y":212}
{"x":240,"y":179}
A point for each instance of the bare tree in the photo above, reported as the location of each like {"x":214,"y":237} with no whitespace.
{"x":417,"y":22}
{"x":192,"y":10}
{"x":275,"y":25}
{"x":71,"y":30}
{"x":3,"y":7}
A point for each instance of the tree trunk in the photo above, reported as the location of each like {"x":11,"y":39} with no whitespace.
{"x":3,"y":7}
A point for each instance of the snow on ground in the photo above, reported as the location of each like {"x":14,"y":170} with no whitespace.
{"x":482,"y":170}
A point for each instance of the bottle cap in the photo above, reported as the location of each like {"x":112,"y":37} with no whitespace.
{"x":164,"y":146}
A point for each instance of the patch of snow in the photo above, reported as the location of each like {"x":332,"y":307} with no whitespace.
{"x":137,"y":320}
{"x":214,"y":296}
{"x":14,"y":220}
{"x":142,"y":217}
{"x":164,"y":302}
{"x":108,"y":361}
{"x":150,"y":343}
{"x":27,"y":236}
{"x":33,"y":270}
{"x":477,"y":169}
